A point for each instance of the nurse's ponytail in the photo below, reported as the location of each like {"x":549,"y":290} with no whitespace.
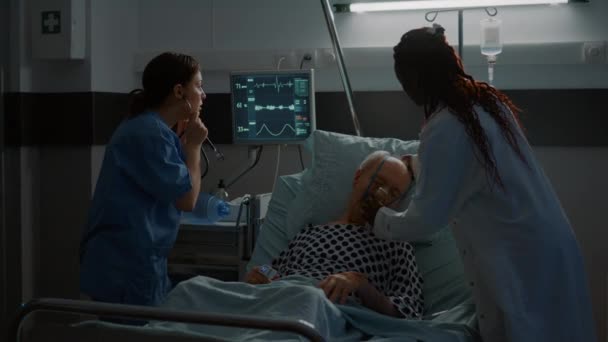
{"x":137,"y":102}
{"x":161,"y":74}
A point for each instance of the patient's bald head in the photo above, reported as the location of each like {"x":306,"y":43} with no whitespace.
{"x":394,"y":173}
{"x":392,"y":176}
{"x":373,"y":159}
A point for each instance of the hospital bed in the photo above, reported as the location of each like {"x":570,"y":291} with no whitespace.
{"x":449,"y":312}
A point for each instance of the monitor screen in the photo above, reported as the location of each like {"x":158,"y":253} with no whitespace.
{"x":272,"y":107}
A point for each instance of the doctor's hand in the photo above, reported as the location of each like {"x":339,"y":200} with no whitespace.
{"x":256,"y":277}
{"x":338,"y":287}
{"x":195,"y":134}
{"x":412,"y":163}
{"x":406,"y":158}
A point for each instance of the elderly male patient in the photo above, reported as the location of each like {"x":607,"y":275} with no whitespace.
{"x":348,"y":259}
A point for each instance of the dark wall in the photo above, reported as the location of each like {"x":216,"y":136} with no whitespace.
{"x":7,"y":269}
{"x":569,"y":117}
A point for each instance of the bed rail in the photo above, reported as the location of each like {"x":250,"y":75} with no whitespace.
{"x":152,"y":313}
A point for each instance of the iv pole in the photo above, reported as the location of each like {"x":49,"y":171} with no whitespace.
{"x":432,"y":15}
{"x":331,"y":26}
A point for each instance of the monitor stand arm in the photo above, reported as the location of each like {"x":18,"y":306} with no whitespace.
{"x":255,"y":152}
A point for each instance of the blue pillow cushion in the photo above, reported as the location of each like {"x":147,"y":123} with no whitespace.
{"x":439,"y":263}
{"x":272,"y":238}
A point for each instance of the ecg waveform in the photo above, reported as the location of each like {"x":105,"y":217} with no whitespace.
{"x":272,"y":107}
{"x":275,"y":134}
{"x":277,"y":85}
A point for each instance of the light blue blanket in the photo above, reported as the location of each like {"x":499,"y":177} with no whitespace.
{"x":297,"y":298}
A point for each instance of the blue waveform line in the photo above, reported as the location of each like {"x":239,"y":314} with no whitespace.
{"x":277,"y":85}
{"x":275,"y":134}
{"x":273,"y":107}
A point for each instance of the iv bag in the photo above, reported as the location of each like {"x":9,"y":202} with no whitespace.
{"x":491,"y":40}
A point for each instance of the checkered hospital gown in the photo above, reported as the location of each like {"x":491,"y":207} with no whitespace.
{"x":390,"y":266}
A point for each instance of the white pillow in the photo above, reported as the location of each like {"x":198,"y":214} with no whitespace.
{"x":327,"y":186}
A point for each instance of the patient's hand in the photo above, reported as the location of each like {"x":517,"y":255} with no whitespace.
{"x":340,"y":286}
{"x":256,"y":277}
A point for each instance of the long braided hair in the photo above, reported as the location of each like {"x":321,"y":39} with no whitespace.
{"x":432,"y":74}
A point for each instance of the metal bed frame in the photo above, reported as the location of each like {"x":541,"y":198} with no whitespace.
{"x":150,"y":313}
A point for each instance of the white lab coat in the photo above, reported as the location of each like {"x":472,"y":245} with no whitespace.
{"x":518,"y":249}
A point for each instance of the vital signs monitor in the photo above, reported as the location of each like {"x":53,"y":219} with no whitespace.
{"x":272,"y":107}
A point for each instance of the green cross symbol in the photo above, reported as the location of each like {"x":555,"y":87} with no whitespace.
{"x":51,"y":22}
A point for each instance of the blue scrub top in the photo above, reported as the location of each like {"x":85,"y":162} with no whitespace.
{"x":133,"y":221}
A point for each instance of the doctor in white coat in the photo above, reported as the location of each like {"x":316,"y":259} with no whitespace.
{"x":479,"y":174}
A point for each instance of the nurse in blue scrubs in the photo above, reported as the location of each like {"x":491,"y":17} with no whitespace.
{"x":148,"y":177}
{"x":479,"y":175}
